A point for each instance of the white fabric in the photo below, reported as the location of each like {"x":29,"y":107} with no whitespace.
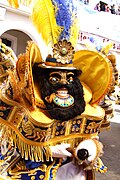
{"x":70,"y":172}
{"x":90,"y":145}
{"x":60,"y":150}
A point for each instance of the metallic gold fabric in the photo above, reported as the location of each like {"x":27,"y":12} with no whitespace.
{"x":96,"y":72}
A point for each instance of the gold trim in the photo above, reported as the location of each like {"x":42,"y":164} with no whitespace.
{"x":4,"y":62}
{"x":83,"y":125}
{"x":29,"y":172}
{"x":36,"y":122}
{"x":6,"y":99}
{"x":31,"y":148}
{"x":68,"y":125}
{"x":86,"y":61}
{"x":54,"y":170}
{"x":55,"y":140}
{"x":56,"y":64}
{"x":13,"y":103}
{"x":3,"y":75}
{"x":47,"y":175}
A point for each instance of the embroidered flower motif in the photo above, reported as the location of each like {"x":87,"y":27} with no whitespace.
{"x":63,"y":52}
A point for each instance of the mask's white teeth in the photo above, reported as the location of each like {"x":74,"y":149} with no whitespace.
{"x":62,"y":92}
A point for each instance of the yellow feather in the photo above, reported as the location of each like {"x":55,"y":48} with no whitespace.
{"x":74,"y":32}
{"x":14,"y":3}
{"x":43,"y":18}
{"x":106,"y":48}
{"x":26,"y":2}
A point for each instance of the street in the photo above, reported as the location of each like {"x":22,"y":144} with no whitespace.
{"x":111,"y":141}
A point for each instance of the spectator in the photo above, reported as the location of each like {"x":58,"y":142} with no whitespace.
{"x":107,"y":8}
{"x":97,"y":7}
{"x":86,"y":1}
{"x":113,"y":9}
{"x":118,"y":10}
{"x":102,"y":6}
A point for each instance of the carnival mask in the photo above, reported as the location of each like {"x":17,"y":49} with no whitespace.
{"x":61,"y":92}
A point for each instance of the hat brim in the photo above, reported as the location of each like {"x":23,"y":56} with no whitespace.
{"x":43,"y":65}
{"x":96,"y":72}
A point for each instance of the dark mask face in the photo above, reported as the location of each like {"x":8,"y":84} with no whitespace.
{"x":61,"y":92}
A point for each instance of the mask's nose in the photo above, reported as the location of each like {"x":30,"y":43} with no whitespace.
{"x":82,"y":154}
{"x":63,"y":79}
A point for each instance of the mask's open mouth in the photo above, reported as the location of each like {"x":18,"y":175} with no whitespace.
{"x":62,"y":98}
{"x":62,"y":93}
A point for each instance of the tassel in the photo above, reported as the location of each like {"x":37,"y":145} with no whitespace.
{"x":43,"y":18}
{"x":27,"y":151}
{"x":100,"y":167}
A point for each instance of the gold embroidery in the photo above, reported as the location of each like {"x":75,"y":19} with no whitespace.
{"x":41,"y":176}
{"x":17,"y":171}
{"x":35,"y":133}
{"x":92,"y":127}
{"x":32,"y":177}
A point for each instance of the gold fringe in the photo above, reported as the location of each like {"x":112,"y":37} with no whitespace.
{"x":35,"y":153}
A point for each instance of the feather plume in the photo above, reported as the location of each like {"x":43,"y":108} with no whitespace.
{"x":66,"y":18}
{"x":43,"y":18}
{"x":26,"y":2}
{"x":74,"y":32}
{"x":14,"y":3}
{"x":106,"y":47}
{"x":54,"y":19}
{"x":63,"y":17}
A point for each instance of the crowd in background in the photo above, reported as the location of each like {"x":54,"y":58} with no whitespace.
{"x":102,"y":6}
{"x":113,"y":9}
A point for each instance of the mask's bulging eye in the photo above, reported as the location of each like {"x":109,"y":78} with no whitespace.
{"x":70,"y":77}
{"x":54,"y":77}
{"x":70,"y":80}
{"x":53,"y":80}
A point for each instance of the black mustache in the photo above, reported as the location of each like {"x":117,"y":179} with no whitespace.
{"x":59,"y":86}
